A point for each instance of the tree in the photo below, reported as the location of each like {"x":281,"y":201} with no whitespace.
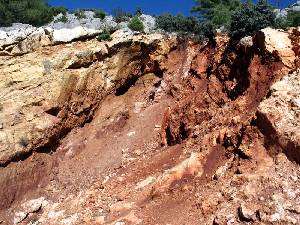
{"x":218,"y":12}
{"x":6,"y":17}
{"x":293,"y":18}
{"x":34,"y":12}
{"x":251,"y":18}
{"x":178,"y":23}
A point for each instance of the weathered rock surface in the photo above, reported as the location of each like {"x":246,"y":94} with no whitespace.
{"x":279,"y":115}
{"x":21,"y":38}
{"x":45,"y":93}
{"x":154,"y":130}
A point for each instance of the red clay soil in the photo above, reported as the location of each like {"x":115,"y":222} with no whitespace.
{"x":204,"y":104}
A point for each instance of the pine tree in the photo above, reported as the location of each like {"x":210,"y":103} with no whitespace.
{"x":251,"y":18}
{"x":217,"y":12}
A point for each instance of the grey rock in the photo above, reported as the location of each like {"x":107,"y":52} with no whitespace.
{"x":149,"y":23}
{"x":109,"y":23}
{"x":14,"y":34}
{"x":246,"y":42}
{"x":22,"y":38}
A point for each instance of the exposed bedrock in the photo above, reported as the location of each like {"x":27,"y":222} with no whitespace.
{"x":226,"y":84}
{"x":152,"y":129}
{"x":46,"y":93}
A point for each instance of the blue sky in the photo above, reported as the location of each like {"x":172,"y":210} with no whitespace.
{"x":148,"y":6}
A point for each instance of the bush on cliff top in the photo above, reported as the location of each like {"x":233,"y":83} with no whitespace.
{"x":251,"y":18}
{"x":178,"y":23}
{"x":217,"y":12}
{"x":238,"y":19}
{"x":291,"y":20}
{"x":136,"y":24}
{"x":104,"y":36}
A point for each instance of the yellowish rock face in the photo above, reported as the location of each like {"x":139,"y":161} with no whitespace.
{"x":57,"y":87}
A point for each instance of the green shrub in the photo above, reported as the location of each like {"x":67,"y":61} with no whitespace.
{"x":34,"y":12}
{"x":99,"y":14}
{"x":281,"y":23}
{"x":136,"y":24}
{"x":120,"y":15}
{"x":217,"y":12}
{"x":293,"y":18}
{"x":178,"y":23}
{"x":251,"y":18}
{"x":6,"y":16}
{"x":104,"y":36}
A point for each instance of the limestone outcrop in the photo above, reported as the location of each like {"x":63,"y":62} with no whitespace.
{"x":279,"y":116}
{"x":48,"y":92}
{"x":22,"y":38}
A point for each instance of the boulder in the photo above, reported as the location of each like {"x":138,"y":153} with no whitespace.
{"x":22,"y":38}
{"x":69,"y":34}
{"x":278,"y":115}
{"x":277,"y":42}
{"x":149,"y":23}
{"x":14,"y":34}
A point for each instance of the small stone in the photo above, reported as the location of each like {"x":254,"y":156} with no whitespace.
{"x":246,"y":214}
{"x":138,"y":152}
{"x":294,"y":178}
{"x":19,"y":217}
{"x":230,"y":219}
{"x":291,"y":219}
{"x":33,"y":205}
{"x":275,"y":217}
{"x":100,"y":219}
{"x":121,"y":206}
{"x":131,"y":133}
{"x":149,"y":180}
{"x":119,"y":223}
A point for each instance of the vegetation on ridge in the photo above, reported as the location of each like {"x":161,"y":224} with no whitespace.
{"x":34,"y":12}
{"x":232,"y":16}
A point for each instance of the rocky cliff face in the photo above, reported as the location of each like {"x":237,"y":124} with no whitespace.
{"x":48,"y":92}
{"x":152,"y":129}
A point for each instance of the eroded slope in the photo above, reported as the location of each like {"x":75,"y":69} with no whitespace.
{"x":177,"y":141}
